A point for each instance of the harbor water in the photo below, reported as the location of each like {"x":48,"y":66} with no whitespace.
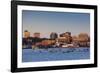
{"x":55,"y":54}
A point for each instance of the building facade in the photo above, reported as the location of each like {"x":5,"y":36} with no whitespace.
{"x":36,"y":35}
{"x":26,"y":34}
{"x":67,"y":35}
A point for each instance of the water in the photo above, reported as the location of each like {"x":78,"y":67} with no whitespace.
{"x":53,"y":54}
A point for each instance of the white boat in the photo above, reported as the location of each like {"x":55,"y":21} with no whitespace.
{"x":69,"y":46}
{"x":64,"y":46}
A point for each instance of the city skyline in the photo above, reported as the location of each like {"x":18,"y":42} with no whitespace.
{"x":46,"y":22}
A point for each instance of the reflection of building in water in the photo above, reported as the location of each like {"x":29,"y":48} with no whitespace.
{"x":26,"y":34}
{"x":53,"y":35}
{"x":37,"y":34}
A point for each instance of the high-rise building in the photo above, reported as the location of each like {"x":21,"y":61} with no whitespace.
{"x":26,"y":34}
{"x":37,"y":35}
{"x":53,"y":35}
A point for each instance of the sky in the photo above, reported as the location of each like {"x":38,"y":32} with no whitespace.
{"x":46,"y":22}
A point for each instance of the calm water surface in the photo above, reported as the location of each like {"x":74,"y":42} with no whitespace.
{"x":53,"y":54}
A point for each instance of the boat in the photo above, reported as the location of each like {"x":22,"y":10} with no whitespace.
{"x":69,"y":46}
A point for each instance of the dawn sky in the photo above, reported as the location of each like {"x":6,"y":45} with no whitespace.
{"x":46,"y":22}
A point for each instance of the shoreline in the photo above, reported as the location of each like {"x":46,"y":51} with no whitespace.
{"x":58,"y":48}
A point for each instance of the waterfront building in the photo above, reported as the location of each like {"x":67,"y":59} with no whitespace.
{"x":36,"y":40}
{"x":36,"y":35}
{"x":74,"y":38}
{"x":53,"y":35}
{"x":67,"y":35}
{"x":83,"y":39}
{"x":27,"y":42}
{"x":26,"y":34}
{"x":50,"y":42}
{"x":61,"y":40}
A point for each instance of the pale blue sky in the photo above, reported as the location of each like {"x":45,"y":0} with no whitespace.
{"x":46,"y":22}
